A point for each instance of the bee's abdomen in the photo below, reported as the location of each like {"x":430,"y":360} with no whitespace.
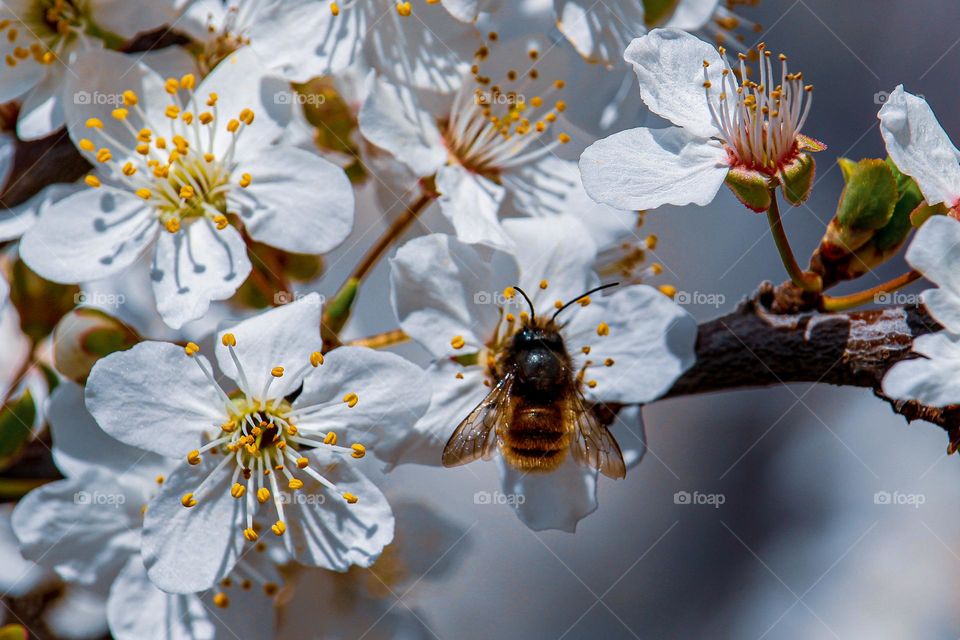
{"x":536,"y":439}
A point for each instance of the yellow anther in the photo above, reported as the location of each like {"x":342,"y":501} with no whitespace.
{"x":87,"y":145}
{"x":603,"y":329}
{"x":316,"y":358}
{"x":457,"y":342}
{"x":302,"y":462}
{"x":104,"y":155}
{"x":130,"y":98}
{"x":252,"y":449}
{"x":292,"y":430}
{"x":350,"y":498}
{"x":295,"y":484}
{"x":171,"y":85}
{"x":351,"y":399}
{"x":536,"y":101}
{"x":271,"y":589}
{"x":277,"y":372}
{"x":191,"y":348}
{"x":330,"y":438}
{"x":160,"y":479}
{"x":592,"y":384}
{"x":263,"y":494}
{"x":558,"y":304}
{"x":544,"y":284}
{"x":608,"y":362}
{"x":143,"y":149}
{"x":206,"y":117}
{"x":245,"y":180}
{"x":650,"y":241}
{"x":509,"y":293}
{"x":656,"y":268}
{"x":188,"y":81}
{"x":193,"y":457}
{"x":233,"y":125}
{"x":92,"y":181}
{"x":585,"y":350}
{"x":186,"y":192}
{"x":229,"y":427}
{"x":559,"y":84}
{"x":94,"y":123}
{"x":584,"y":301}
{"x":334,"y":8}
{"x":279,"y":528}
{"x":668,"y":290}
{"x":404,"y":9}
{"x":129,"y":169}
{"x":212,"y":100}
{"x":238,"y":490}
{"x":188,"y":500}
{"x":250,"y":535}
{"x":246,"y":116}
{"x":209,"y":157}
{"x":563,"y":138}
{"x":229,"y":340}
{"x":221,"y":600}
{"x":172,"y":111}
{"x":358,"y":450}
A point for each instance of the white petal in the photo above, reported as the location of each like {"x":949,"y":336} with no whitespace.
{"x":556,"y":500}
{"x":392,"y":119}
{"x":920,"y":147}
{"x":17,"y":220}
{"x":42,"y":112}
{"x":189,"y":550}
{"x":17,"y":81}
{"x":692,"y":15}
{"x":89,"y":235}
{"x":153,"y":397}
{"x":556,"y":249}
{"x":137,"y":610}
{"x":598,"y":32}
{"x":196,"y":266}
{"x":463,"y":10}
{"x":472,"y":204}
{"x":442,"y":288}
{"x":79,"y":443}
{"x":932,"y":380}
{"x":297,"y":201}
{"x":84,"y":528}
{"x":127,"y":18}
{"x":19,"y":576}
{"x":651,"y":342}
{"x":289,"y":36}
{"x":79,"y":614}
{"x":646,"y":168}
{"x":453,"y":399}
{"x":282,"y":337}
{"x":630,"y":433}
{"x":332,"y":533}
{"x":935,"y":252}
{"x":669,"y":66}
{"x":542,"y":188}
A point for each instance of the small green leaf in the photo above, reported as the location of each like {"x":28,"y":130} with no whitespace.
{"x":13,"y":632}
{"x":797,"y":179}
{"x":752,"y":188}
{"x":847,"y":168}
{"x":16,"y":426}
{"x":869,"y":198}
{"x":656,"y":12}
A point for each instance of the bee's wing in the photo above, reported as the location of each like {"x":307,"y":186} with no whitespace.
{"x":593,"y":444}
{"x":477,"y":435}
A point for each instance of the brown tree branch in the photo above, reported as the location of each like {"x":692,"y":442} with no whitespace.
{"x":754,"y":347}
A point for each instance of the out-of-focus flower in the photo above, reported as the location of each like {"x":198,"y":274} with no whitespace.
{"x":182,"y":167}
{"x":88,"y":528}
{"x":740,"y":131}
{"x":273,"y":440}
{"x":490,"y":147}
{"x":41,"y":39}
{"x":628,"y":347}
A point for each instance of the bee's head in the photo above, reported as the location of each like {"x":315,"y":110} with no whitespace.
{"x":534,"y":337}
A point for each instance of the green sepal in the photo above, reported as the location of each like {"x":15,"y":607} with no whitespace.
{"x":338,"y":310}
{"x":467,"y":359}
{"x":84,"y":336}
{"x":797,"y":179}
{"x":13,"y":632}
{"x":16,"y":427}
{"x":752,"y":188}
{"x":869,"y":197}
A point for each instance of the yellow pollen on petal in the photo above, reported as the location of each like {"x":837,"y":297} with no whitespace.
{"x":603,"y":329}
{"x":92,"y":181}
{"x":245,"y":180}
{"x":457,"y":342}
{"x":263,"y":494}
{"x":351,"y":399}
{"x":358,"y":450}
{"x":188,"y":500}
{"x":277,"y":372}
{"x":238,"y":490}
{"x":193,"y":457}
{"x":350,"y":498}
{"x":191,"y":348}
{"x":330,"y":438}
{"x":316,"y":358}
{"x":279,"y":528}
{"x":250,"y":535}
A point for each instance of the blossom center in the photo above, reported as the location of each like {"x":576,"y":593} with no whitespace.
{"x":760,"y":122}
{"x":49,"y":26}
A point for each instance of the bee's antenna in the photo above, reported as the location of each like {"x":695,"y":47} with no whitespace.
{"x":533,"y":314}
{"x":582,"y":296}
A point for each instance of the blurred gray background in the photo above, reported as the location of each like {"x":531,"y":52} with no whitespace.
{"x":799,"y":548}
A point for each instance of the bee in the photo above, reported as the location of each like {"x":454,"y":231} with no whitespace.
{"x":536,"y":413}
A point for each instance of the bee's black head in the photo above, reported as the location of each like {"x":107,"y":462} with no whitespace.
{"x":535,"y":338}
{"x":539,"y":357}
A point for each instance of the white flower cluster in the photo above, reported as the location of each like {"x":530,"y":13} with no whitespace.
{"x":214,"y":455}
